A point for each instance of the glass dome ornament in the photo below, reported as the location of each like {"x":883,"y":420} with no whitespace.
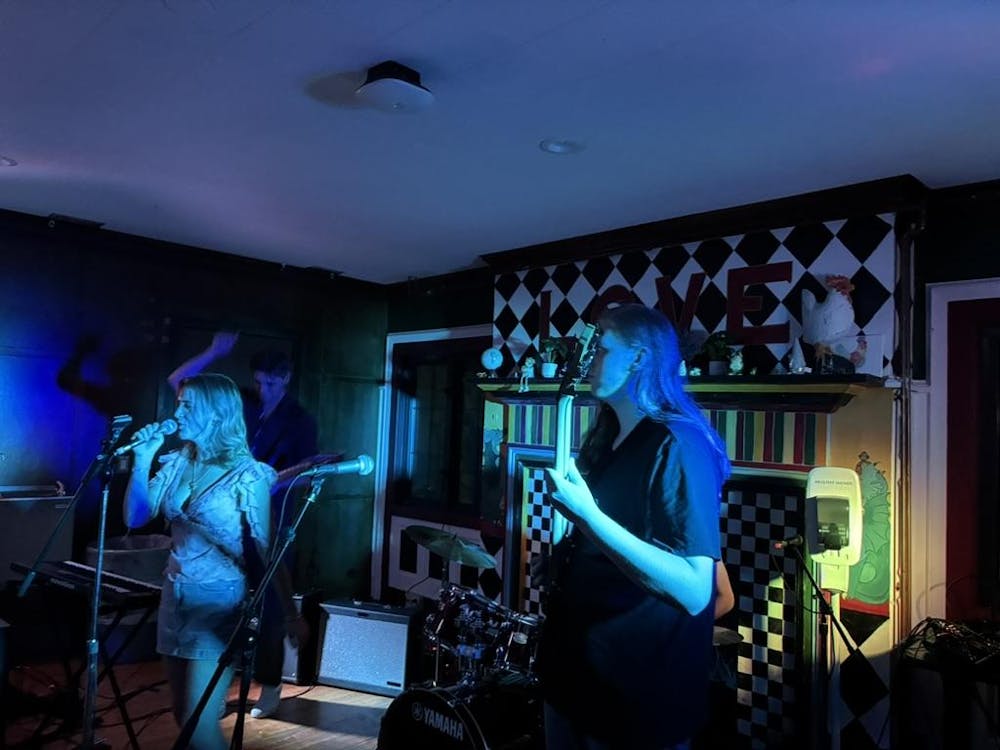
{"x":492,"y":358}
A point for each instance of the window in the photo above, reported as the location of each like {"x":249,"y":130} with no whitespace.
{"x":436,"y":426}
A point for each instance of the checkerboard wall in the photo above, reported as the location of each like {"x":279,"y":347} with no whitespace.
{"x":769,"y":612}
{"x":861,"y":248}
{"x":537,"y":529}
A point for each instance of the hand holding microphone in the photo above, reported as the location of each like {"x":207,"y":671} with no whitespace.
{"x":148,"y":439}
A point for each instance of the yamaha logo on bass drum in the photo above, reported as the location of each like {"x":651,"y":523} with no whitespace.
{"x":447,"y":725}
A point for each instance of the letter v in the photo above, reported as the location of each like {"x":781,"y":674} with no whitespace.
{"x":665,"y":294}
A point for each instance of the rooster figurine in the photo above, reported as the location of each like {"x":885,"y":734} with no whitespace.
{"x":826,"y":321}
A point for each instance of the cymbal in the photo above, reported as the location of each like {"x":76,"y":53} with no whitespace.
{"x":725,"y":637}
{"x":451,"y":546}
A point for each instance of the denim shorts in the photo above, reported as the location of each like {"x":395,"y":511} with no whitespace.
{"x":196,"y":619}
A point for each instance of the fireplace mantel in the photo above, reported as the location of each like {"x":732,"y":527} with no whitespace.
{"x":785,"y":393}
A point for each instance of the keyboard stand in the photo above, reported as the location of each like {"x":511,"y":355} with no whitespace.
{"x":119,"y":610}
{"x":109,"y":661}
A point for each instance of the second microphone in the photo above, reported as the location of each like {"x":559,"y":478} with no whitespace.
{"x":362,"y":465}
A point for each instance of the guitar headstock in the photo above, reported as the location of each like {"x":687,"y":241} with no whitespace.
{"x":578,"y":364}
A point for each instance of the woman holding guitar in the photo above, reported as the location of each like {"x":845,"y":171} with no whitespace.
{"x":626,"y":648}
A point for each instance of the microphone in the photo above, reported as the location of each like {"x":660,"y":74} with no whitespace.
{"x":362,"y":465}
{"x":794,"y":541}
{"x":167,"y":427}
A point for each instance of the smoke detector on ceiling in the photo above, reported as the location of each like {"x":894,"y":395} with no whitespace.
{"x":392,"y":87}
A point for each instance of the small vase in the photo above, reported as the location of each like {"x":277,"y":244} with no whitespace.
{"x":549,"y":369}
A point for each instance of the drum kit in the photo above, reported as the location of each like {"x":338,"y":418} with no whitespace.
{"x":490,"y":697}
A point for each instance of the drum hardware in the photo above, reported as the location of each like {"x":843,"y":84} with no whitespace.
{"x":483,"y":637}
{"x":451,"y":546}
{"x":724,"y":668}
{"x":468,"y":625}
{"x":495,"y":704}
{"x":520,"y":644}
{"x":454,"y":600}
{"x":725,"y":637}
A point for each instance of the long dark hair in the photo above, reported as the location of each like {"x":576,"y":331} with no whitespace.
{"x":657,"y":388}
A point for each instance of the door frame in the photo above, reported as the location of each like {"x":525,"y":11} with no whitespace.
{"x":929,"y":477}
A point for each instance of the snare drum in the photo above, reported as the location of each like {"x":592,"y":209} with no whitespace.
{"x":519,"y":642}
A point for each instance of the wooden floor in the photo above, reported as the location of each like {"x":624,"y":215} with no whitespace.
{"x":309,"y":717}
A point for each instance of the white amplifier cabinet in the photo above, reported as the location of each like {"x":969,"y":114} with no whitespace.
{"x":366,"y":647}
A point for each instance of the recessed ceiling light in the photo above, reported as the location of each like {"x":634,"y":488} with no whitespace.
{"x":560,"y":146}
{"x":6,"y":161}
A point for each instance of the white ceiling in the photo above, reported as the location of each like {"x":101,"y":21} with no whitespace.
{"x":232,"y":124}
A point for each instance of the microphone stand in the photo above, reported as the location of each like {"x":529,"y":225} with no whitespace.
{"x":90,"y":693}
{"x":826,"y":611}
{"x":244,"y":637}
{"x":824,"y":606}
{"x":100,"y":465}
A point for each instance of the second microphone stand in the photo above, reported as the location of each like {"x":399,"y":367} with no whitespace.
{"x":101,"y":465}
{"x":244,"y":637}
{"x":826,"y":612}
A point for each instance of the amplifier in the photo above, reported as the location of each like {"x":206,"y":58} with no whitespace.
{"x":300,"y":662}
{"x":366,"y":647}
{"x":25,"y":526}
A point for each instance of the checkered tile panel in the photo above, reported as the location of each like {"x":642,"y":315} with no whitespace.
{"x":536,"y":518}
{"x":769,"y":612}
{"x":862,"y":249}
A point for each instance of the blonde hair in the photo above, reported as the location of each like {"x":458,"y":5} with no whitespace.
{"x":218,"y":397}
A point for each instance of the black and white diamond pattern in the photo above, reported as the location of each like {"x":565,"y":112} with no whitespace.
{"x":862,"y":249}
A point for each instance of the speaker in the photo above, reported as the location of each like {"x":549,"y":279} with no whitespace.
{"x":300,"y":661}
{"x":366,"y":647}
{"x":25,"y":526}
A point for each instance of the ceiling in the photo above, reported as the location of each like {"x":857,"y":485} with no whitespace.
{"x":233,"y":124}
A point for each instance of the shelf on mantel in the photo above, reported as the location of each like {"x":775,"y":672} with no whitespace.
{"x":796,"y":393}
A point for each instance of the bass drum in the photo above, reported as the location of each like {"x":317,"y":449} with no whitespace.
{"x":501,"y":714}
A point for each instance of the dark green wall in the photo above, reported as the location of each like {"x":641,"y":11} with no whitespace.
{"x":960,"y":241}
{"x":92,"y":321}
{"x":458,"y":299}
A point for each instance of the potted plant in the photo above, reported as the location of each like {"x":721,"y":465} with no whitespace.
{"x":553,"y":352}
{"x":716,"y":350}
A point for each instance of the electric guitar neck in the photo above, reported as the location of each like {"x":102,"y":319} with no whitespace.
{"x":577,"y":370}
